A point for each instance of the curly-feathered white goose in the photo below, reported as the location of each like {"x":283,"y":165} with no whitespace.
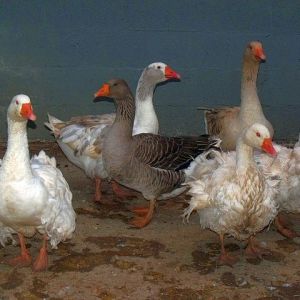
{"x":286,"y":165}
{"x":81,"y":138}
{"x":231,"y":194}
{"x":228,"y":122}
{"x":34,"y":196}
{"x":148,"y":163}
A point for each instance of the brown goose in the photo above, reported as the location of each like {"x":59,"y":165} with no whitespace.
{"x":228,"y":122}
{"x":148,"y":163}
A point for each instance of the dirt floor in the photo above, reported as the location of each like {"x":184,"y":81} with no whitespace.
{"x":107,"y":259}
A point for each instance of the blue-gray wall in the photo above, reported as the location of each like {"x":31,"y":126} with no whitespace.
{"x":60,"y":52}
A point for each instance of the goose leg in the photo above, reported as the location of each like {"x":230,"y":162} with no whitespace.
{"x":98,"y":194}
{"x":225,"y":258}
{"x":24,"y":259}
{"x":140,"y":210}
{"x":281,"y":227}
{"x":145,"y":217}
{"x":254,"y":250}
{"x":121,"y":192}
{"x":41,"y":262}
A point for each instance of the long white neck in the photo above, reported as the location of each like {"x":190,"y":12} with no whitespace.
{"x":145,"y":120}
{"x":244,"y":155}
{"x":16,"y":161}
{"x":250,"y":104}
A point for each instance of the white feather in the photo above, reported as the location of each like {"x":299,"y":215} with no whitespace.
{"x":228,"y":201}
{"x":34,"y":196}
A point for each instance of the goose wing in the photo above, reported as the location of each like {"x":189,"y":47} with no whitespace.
{"x":83,"y":134}
{"x":216,"y":119}
{"x":171,"y":153}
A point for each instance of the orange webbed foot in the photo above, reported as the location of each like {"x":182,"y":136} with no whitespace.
{"x":254,"y":250}
{"x":282,"y":228}
{"x":145,"y":215}
{"x":41,"y":262}
{"x":140,"y":211}
{"x":24,"y":260}
{"x":140,"y":222}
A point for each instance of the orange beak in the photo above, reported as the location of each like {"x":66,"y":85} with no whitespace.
{"x":260,"y":54}
{"x":268,"y":147}
{"x":171,"y":74}
{"x":103,"y":92}
{"x":27,"y":112}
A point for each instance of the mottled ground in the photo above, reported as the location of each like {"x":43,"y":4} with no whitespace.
{"x":107,"y":259}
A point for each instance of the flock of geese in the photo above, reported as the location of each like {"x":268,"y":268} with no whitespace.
{"x":238,"y":179}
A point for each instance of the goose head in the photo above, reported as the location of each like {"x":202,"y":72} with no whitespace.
{"x":255,"y":52}
{"x":20,"y":109}
{"x":159,"y":72}
{"x":258,"y":136}
{"x":115,"y":88}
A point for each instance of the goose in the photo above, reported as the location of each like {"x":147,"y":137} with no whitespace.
{"x":286,"y":166}
{"x":148,"y":163}
{"x":34,"y":196}
{"x":231,"y":194}
{"x":81,"y":138}
{"x":228,"y":122}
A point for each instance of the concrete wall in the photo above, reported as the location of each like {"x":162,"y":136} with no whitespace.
{"x":60,"y":52}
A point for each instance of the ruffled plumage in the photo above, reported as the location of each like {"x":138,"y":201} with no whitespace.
{"x":58,"y":220}
{"x":285,"y":166}
{"x":225,"y":201}
{"x":34,"y":196}
{"x":231,"y":194}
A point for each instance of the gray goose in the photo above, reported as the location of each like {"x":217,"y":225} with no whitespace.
{"x":81,"y":138}
{"x":148,"y":163}
{"x":228,"y":122}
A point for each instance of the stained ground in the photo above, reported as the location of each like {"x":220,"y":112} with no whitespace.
{"x":107,"y":259}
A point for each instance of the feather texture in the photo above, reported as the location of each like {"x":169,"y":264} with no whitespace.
{"x":147,"y":163}
{"x":34,"y":196}
{"x":81,"y":138}
{"x":286,"y":166}
{"x":231,"y":194}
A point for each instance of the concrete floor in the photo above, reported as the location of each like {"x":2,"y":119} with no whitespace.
{"x":107,"y":259}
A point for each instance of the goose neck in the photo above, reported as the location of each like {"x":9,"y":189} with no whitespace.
{"x":144,"y":90}
{"x":16,"y":161}
{"x":146,"y":120}
{"x":244,"y":156}
{"x":249,"y":97}
{"x":125,"y":111}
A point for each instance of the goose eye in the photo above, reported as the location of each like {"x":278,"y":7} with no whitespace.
{"x":257,"y":134}
{"x":158,"y":67}
{"x":17,"y":102}
{"x":115,"y":84}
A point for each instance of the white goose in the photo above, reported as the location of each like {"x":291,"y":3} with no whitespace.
{"x":34,"y":196}
{"x":230,"y":193}
{"x":286,"y":165}
{"x":81,"y":138}
{"x":228,"y":122}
